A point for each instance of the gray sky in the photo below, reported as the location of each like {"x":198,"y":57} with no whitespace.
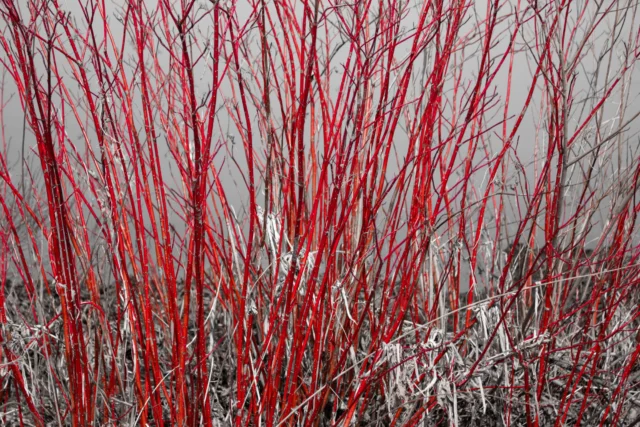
{"x":530,"y":142}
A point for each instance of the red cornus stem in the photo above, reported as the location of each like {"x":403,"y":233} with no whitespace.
{"x":297,"y":213}
{"x":40,"y":116}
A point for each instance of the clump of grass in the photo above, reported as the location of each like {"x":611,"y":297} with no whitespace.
{"x":315,"y":213}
